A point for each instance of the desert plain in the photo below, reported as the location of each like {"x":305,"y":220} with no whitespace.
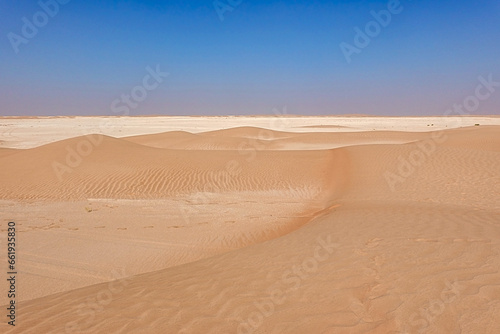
{"x":264,"y":224}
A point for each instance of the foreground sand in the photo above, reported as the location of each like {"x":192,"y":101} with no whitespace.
{"x":324,"y":226}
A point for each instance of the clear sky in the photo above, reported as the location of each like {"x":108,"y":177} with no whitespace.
{"x":247,"y":57}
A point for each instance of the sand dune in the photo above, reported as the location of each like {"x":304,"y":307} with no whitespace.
{"x":368,"y":232}
{"x":163,"y":139}
{"x":116,"y":168}
{"x":175,"y":195}
{"x":249,"y":138}
{"x":249,"y":132}
{"x":486,"y":138}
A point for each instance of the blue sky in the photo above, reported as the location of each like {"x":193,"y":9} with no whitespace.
{"x":262,"y":55}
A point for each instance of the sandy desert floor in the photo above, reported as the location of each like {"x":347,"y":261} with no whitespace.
{"x":252,"y":224}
